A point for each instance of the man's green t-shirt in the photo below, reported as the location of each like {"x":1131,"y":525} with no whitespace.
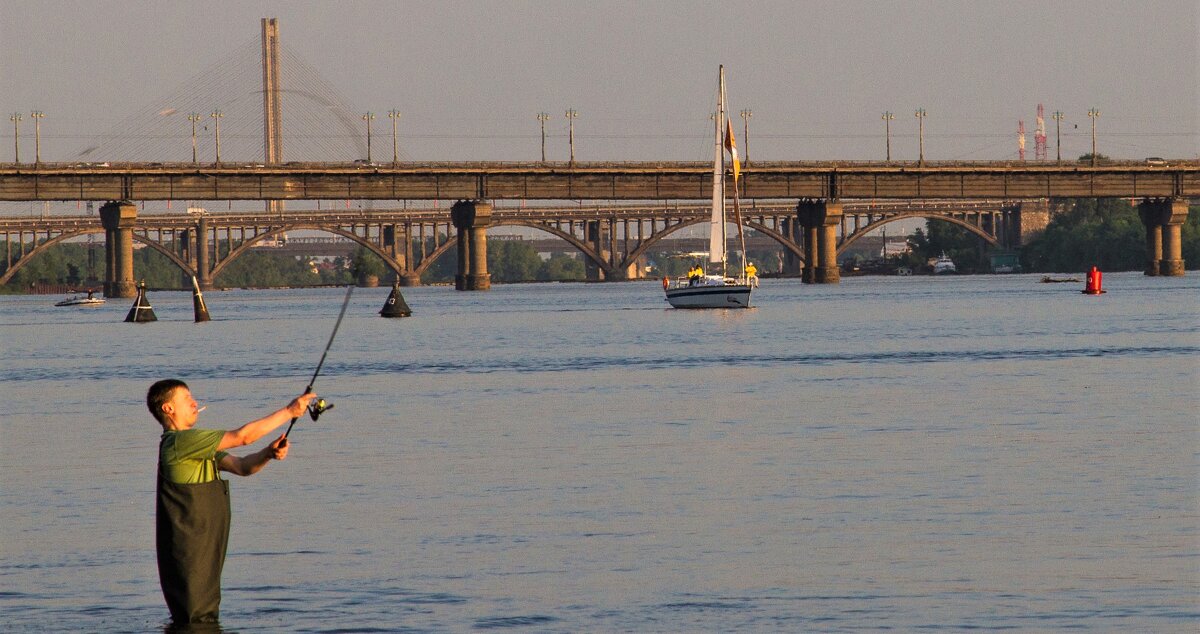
{"x":190,"y":456}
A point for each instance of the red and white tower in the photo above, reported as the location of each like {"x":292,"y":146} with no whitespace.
{"x":1039,"y":137}
{"x":1021,"y":140}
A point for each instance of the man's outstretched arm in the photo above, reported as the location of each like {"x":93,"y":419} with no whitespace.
{"x":250,"y":432}
{"x":253,"y":463}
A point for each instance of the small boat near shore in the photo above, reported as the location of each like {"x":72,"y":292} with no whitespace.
{"x":90,"y":300}
{"x":944,"y":265}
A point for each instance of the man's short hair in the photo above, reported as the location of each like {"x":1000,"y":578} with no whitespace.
{"x":159,"y":394}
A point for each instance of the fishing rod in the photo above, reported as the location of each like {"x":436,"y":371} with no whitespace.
{"x":320,"y":406}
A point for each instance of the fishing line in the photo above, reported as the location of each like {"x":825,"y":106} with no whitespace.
{"x":319,"y":406}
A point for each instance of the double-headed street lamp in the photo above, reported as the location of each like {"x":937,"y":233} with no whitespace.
{"x":1093,"y":114}
{"x":394,"y":115}
{"x":888,"y":117}
{"x":37,"y":116}
{"x":542,"y":117}
{"x":572,"y":115}
{"x":216,"y":117}
{"x":16,"y":119}
{"x":1058,"y":117}
{"x":920,"y":114}
{"x":746,"y":114}
{"x":368,"y":117}
{"x":194,"y":118}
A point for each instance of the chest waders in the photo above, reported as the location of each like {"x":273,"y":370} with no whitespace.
{"x":191,"y":533}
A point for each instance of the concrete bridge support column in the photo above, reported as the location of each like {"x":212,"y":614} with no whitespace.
{"x":821,"y":220}
{"x":1030,"y":220}
{"x":1164,"y":220}
{"x":471,"y":218}
{"x":809,"y":275}
{"x":203,"y":271}
{"x":391,"y":235}
{"x":183,"y":244}
{"x":790,"y":228}
{"x":597,"y":234}
{"x":118,"y":219}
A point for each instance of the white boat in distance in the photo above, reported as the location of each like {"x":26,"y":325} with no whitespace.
{"x":944,"y":265}
{"x":82,"y":301}
{"x":712,"y":290}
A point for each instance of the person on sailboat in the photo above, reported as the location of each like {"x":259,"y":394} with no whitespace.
{"x":695,"y":274}
{"x":751,"y":274}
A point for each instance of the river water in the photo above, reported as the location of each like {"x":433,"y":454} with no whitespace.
{"x":975,"y":452}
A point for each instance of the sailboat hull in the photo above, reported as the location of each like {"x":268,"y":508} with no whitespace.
{"x":730,"y":296}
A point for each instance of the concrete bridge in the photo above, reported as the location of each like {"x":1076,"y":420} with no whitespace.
{"x":611,"y":238}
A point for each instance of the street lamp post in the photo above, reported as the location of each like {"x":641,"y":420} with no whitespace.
{"x":194,"y":118}
{"x":216,"y":117}
{"x":542,"y":117}
{"x":1058,"y":117}
{"x":37,"y":116}
{"x":16,"y":119}
{"x":394,"y":115}
{"x":571,"y":116}
{"x":920,"y":114}
{"x":746,"y":114}
{"x":888,"y":117}
{"x":367,"y":116}
{"x":1093,"y":114}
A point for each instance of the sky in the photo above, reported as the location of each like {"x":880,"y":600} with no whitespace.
{"x":469,"y":77}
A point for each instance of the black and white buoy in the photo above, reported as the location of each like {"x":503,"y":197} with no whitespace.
{"x":198,"y":307}
{"x":395,"y":306}
{"x":141,"y":311}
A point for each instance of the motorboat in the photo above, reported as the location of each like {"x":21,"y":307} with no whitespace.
{"x":944,"y":265}
{"x":77,"y":300}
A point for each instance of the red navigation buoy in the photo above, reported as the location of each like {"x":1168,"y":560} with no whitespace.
{"x":1095,"y":284}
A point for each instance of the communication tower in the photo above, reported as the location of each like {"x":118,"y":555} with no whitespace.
{"x":1039,"y":137}
{"x":1021,"y":140}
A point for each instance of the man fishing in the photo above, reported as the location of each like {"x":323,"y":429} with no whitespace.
{"x":192,"y":510}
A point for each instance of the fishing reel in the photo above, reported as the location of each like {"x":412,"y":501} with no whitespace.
{"x":318,"y":407}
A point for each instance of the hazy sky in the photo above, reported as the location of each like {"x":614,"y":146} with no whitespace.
{"x":470,"y":77}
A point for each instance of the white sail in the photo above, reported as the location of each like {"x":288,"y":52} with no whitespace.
{"x":716,"y":231}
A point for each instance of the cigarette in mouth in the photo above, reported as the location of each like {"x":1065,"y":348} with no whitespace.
{"x":201,"y":409}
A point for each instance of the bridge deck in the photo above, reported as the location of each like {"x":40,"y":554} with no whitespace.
{"x":594,"y":181}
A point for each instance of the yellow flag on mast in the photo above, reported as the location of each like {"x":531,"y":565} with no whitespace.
{"x":731,"y":147}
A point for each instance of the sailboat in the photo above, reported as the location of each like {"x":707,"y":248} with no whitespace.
{"x":712,"y":289}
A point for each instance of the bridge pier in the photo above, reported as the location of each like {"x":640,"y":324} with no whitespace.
{"x":1163,"y":219}
{"x":790,"y":228}
{"x":203,"y":271}
{"x":598,"y":234}
{"x":820,"y":219}
{"x":471,"y":218}
{"x":118,"y":218}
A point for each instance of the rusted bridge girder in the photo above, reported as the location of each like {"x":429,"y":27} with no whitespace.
{"x":592,"y":181}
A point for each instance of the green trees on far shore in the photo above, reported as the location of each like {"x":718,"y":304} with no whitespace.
{"x":1083,"y":232}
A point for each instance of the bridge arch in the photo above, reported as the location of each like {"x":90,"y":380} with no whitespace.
{"x":39,"y":249}
{"x":43,"y":247}
{"x":862,"y":231}
{"x":567,"y":237}
{"x":392,"y":264}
